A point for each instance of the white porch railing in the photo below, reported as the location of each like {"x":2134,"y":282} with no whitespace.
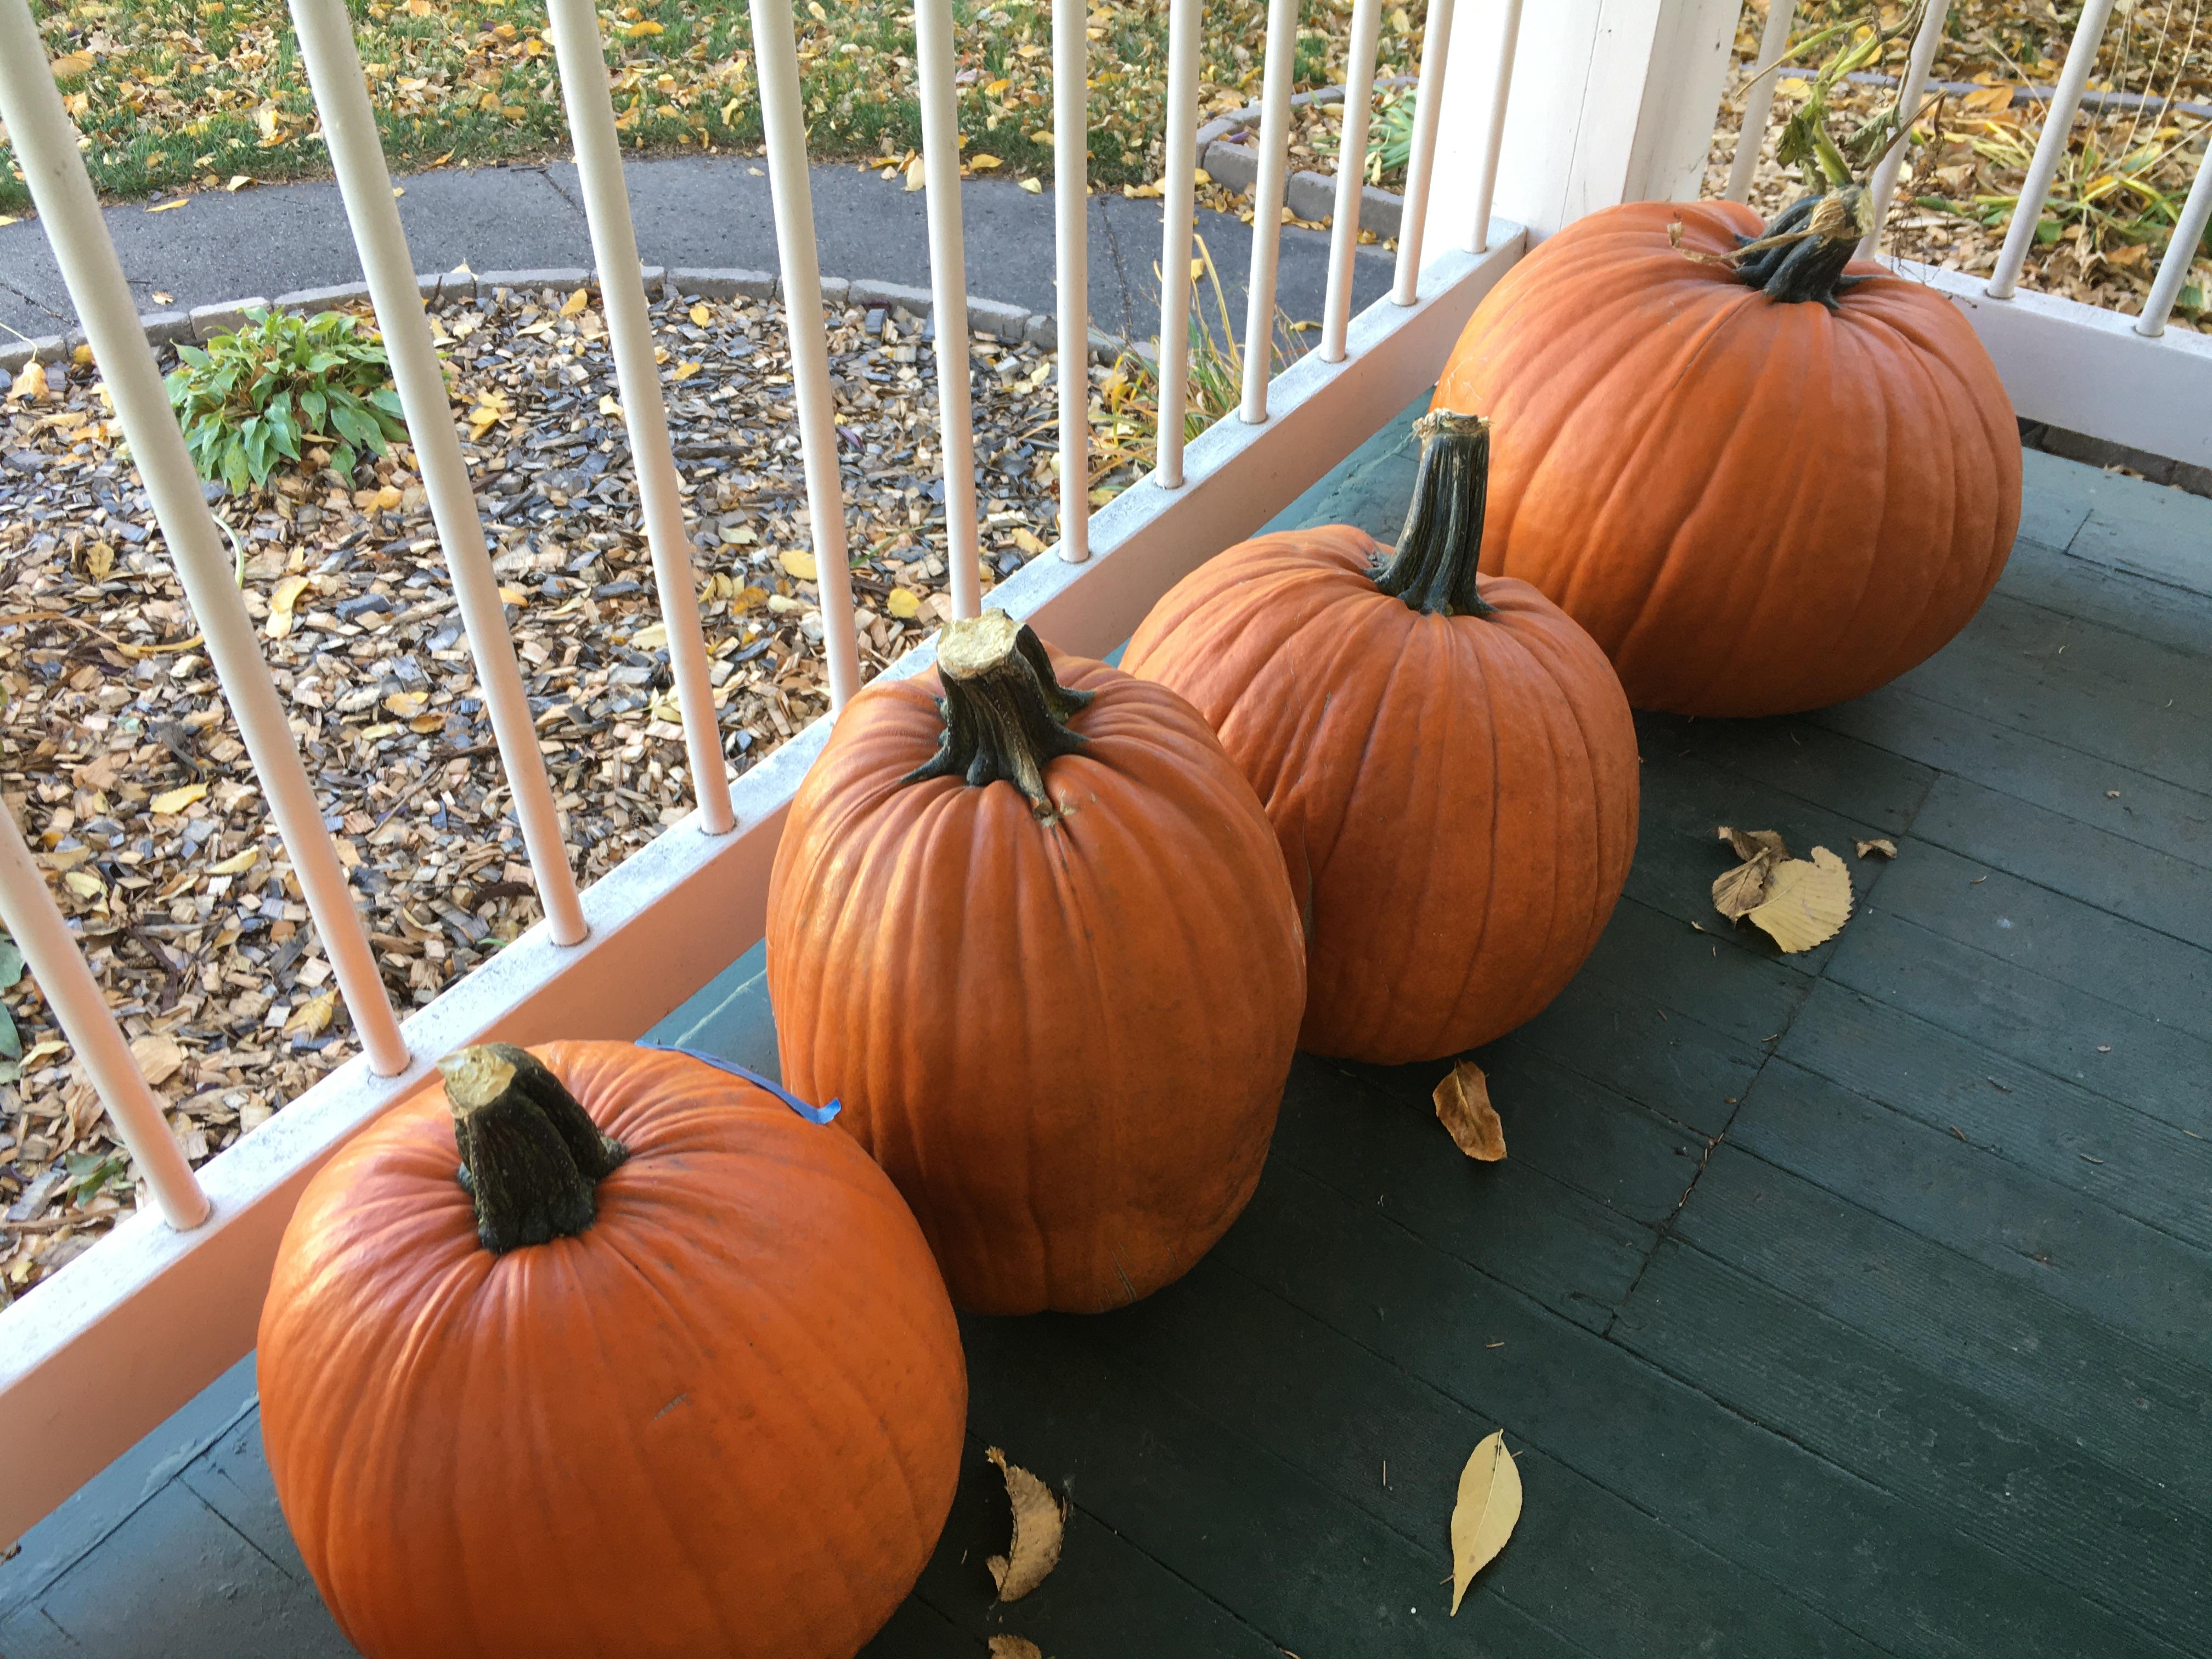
{"x":134,"y":1327}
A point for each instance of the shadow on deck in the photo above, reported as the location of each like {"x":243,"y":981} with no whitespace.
{"x":1855,"y":1302}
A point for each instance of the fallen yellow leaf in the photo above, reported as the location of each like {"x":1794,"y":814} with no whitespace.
{"x":406,"y":704}
{"x":1014,"y":1647}
{"x":701,"y":315}
{"x":1027,"y":540}
{"x":84,"y":884}
{"x":801,"y":565}
{"x":238,"y":181}
{"x":1738,"y":892}
{"x":312,"y":1018}
{"x":1033,"y":186}
{"x":903,"y":603}
{"x":164,"y":207}
{"x":983,"y":163}
{"x":638,"y":30}
{"x":1882,"y":845}
{"x":916,"y":176}
{"x":175,"y":800}
{"x":72,"y":65}
{"x":1807,"y":904}
{"x":609,"y":406}
{"x":685,"y":371}
{"x":574,"y":304}
{"x":1488,"y":1505}
{"x":1463,"y":1107}
{"x":1039,"y":1523}
{"x":651,"y":637}
{"x":30,"y":384}
{"x":99,"y":561}
{"x":236,"y":864}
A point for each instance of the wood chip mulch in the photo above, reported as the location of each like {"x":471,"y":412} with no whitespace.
{"x":118,"y":756}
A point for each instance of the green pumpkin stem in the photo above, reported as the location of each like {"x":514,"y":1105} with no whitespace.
{"x":530,"y":1155}
{"x":1006,"y":715}
{"x":1433,"y":569}
{"x":1801,"y":257}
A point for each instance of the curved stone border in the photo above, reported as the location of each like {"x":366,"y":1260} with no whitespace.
{"x":441,"y":290}
{"x":1229,"y":156}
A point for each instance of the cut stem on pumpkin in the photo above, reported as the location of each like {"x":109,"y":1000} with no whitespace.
{"x":1433,"y":569}
{"x":530,"y":1156}
{"x":1006,"y":714}
{"x":1801,"y":257}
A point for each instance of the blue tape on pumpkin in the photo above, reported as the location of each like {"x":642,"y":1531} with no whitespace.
{"x":812,"y":1114}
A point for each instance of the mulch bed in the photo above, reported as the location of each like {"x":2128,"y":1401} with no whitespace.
{"x":117,"y":757}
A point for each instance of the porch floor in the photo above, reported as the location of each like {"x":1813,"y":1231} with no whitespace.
{"x":1854,"y":1302}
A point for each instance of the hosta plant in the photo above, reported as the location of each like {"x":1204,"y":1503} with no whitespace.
{"x":252,"y":400}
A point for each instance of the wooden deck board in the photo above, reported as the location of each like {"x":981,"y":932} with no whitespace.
{"x":1851,"y":1303}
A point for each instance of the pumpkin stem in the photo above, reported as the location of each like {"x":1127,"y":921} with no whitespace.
{"x":1006,"y":714}
{"x":530,"y":1153}
{"x":1802,"y":255}
{"x":1433,"y":568}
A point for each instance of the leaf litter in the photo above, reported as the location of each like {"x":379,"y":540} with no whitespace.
{"x":1040,"y":1522}
{"x":1799,"y":903}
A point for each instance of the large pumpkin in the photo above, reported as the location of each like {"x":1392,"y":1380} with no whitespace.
{"x":1762,"y":486}
{"x":1037,"y":938}
{"x":674,"y":1376}
{"x":1447,"y":762}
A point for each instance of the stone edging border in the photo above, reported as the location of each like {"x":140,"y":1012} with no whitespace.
{"x":440,"y":290}
{"x":1229,"y":158}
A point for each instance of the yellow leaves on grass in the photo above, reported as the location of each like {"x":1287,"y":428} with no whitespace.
{"x":1799,"y":903}
{"x":1489,"y":1504}
{"x":1039,"y":1523}
{"x":72,"y":65}
{"x":983,"y":163}
{"x":1463,"y":1107}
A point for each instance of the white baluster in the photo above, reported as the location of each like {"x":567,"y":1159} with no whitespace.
{"x":326,"y":43}
{"x":584,"y":92}
{"x":1179,"y":190}
{"x":1351,"y":176}
{"x":1276,"y":76}
{"x":2180,"y":250}
{"x":1759,"y":102}
{"x":948,"y":281}
{"x":776,"y":61}
{"x":2057,"y":129}
{"x":1501,"y":92}
{"x":74,"y":995}
{"x":1071,"y":165}
{"x":1435,"y":53}
{"x":1917,"y":63}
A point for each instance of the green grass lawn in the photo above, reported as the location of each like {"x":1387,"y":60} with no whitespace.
{"x":194,"y":94}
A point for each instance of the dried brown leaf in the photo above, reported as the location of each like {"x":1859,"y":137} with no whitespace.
{"x":1740,"y":891}
{"x":1015,"y":1647}
{"x":1039,"y":1521}
{"x":1881,"y":845}
{"x":1750,"y":843}
{"x":159,"y":1056}
{"x":1463,"y":1107}
{"x":1808,"y":901}
{"x":1482,"y":1518}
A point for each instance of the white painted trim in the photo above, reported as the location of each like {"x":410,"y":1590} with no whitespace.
{"x":132,"y":1329}
{"x":2086,"y":369}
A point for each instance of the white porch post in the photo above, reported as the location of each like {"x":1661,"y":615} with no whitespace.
{"x":1613,"y":101}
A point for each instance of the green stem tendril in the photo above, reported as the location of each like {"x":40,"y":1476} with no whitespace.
{"x":1433,"y":569}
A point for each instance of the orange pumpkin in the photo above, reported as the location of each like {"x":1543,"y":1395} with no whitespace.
{"x":1447,"y":762}
{"x":1762,"y":488}
{"x":1037,"y":938}
{"x":674,"y":1376}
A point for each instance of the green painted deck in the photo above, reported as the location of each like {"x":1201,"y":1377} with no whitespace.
{"x":1856,"y":1303}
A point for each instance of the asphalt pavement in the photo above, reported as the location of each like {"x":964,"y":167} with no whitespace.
{"x":689,"y":211}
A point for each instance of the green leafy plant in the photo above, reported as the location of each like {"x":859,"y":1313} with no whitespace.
{"x":1390,"y":137}
{"x":251,"y":400}
{"x":88,"y":1175}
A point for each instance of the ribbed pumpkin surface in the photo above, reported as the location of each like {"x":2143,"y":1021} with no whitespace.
{"x":1755,"y":507}
{"x":726,"y":1419}
{"x":1065,"y":1040}
{"x":1455,"y":796}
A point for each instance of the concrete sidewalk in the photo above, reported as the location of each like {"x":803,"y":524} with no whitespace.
{"x":697,"y":212}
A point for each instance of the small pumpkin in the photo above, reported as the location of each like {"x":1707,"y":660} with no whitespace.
{"x":671,"y":1375}
{"x":1766,"y":478}
{"x":1447,"y":760}
{"x":1037,"y":937}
